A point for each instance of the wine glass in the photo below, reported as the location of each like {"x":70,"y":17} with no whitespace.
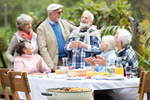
{"x":128,"y":72}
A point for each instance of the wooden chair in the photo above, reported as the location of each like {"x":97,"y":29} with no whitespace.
{"x":4,"y":81}
{"x":144,"y":86}
{"x":139,"y":71}
{"x":18,"y":82}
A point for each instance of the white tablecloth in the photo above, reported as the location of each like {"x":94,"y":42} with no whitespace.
{"x":120,"y":89}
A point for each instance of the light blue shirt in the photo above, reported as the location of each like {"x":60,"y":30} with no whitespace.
{"x":111,"y":57}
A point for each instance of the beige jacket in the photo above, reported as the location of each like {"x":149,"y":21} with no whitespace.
{"x":47,"y":41}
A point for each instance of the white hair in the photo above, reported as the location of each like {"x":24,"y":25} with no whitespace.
{"x":109,"y":40}
{"x":22,"y":19}
{"x":91,"y":15}
{"x":125,"y":36}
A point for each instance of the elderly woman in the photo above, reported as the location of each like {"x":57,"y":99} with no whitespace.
{"x":107,"y":45}
{"x":33,"y":63}
{"x":24,"y":25}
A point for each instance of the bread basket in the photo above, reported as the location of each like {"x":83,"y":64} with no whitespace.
{"x":75,"y":72}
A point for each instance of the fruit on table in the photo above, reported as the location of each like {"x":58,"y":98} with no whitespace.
{"x":101,"y":73}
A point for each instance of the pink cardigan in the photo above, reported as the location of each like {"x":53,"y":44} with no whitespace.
{"x":28,"y":63}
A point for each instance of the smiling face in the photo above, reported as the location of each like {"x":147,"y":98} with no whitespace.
{"x":29,"y":50}
{"x":55,"y":15}
{"x":85,"y":21}
{"x":27,"y":27}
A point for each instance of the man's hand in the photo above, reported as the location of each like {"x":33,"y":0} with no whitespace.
{"x":90,"y":61}
{"x":82,"y":45}
{"x":39,"y":64}
{"x":74,"y":44}
{"x":101,"y":60}
{"x":52,"y":69}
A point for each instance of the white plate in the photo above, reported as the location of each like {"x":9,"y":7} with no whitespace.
{"x":115,"y":78}
{"x":38,"y":76}
{"x":98,"y":78}
{"x":75,"y":78}
{"x":60,"y":76}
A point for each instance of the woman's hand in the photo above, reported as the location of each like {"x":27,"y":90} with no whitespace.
{"x":39,"y":64}
{"x":101,"y":60}
{"x":90,"y":61}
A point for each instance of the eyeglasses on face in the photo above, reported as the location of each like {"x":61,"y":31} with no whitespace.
{"x":60,"y":12}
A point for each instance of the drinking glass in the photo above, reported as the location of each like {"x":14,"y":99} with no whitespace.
{"x":128,"y":72}
{"x":119,"y":68}
{"x":57,"y":70}
{"x":110,"y":68}
{"x":89,"y":74}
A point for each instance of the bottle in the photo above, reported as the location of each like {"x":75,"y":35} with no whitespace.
{"x":119,"y":68}
{"x":70,"y":67}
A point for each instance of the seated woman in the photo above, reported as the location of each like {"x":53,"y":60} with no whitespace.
{"x":107,"y":45}
{"x":24,"y":26}
{"x":33,"y":63}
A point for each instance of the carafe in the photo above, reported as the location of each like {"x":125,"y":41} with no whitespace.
{"x":119,"y":68}
{"x":65,"y":66}
{"x":65,"y":61}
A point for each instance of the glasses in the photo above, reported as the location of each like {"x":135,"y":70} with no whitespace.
{"x":60,"y":12}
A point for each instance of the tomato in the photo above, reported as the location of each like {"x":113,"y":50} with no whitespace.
{"x":79,"y":76}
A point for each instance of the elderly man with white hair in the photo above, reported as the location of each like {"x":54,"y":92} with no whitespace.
{"x":83,"y":41}
{"x":108,"y":46}
{"x":52,"y":35}
{"x":123,"y":39}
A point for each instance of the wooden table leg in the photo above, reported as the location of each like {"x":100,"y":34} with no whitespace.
{"x":93,"y":95}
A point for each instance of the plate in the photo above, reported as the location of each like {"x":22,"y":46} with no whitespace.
{"x":98,"y":78}
{"x":115,"y":78}
{"x":75,"y":78}
{"x":60,"y":76}
{"x":39,"y":75}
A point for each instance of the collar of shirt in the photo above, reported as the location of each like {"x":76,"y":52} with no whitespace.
{"x":51,"y":22}
{"x":84,"y":30}
{"x":128,"y":46}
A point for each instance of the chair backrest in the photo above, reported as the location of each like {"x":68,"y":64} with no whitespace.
{"x":4,"y":81}
{"x":18,"y":82}
{"x":144,"y":85}
{"x":139,"y":71}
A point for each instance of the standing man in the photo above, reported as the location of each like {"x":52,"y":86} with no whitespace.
{"x":52,"y":35}
{"x":83,"y":42}
{"x":123,"y":39}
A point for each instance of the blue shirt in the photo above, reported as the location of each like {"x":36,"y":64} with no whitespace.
{"x":111,"y":57}
{"x":60,"y":39}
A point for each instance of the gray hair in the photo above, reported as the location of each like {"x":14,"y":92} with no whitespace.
{"x":21,"y":45}
{"x":109,"y":40}
{"x":124,"y":36}
{"x":91,"y":15}
{"x":22,"y":19}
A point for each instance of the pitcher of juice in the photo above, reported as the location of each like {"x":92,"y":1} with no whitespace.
{"x":119,"y":68}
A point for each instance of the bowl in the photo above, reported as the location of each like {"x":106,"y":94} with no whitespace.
{"x":75,"y":72}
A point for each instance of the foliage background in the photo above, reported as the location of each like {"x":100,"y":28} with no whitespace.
{"x":109,"y":15}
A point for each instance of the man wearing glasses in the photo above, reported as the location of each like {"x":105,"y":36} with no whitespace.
{"x":52,"y":35}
